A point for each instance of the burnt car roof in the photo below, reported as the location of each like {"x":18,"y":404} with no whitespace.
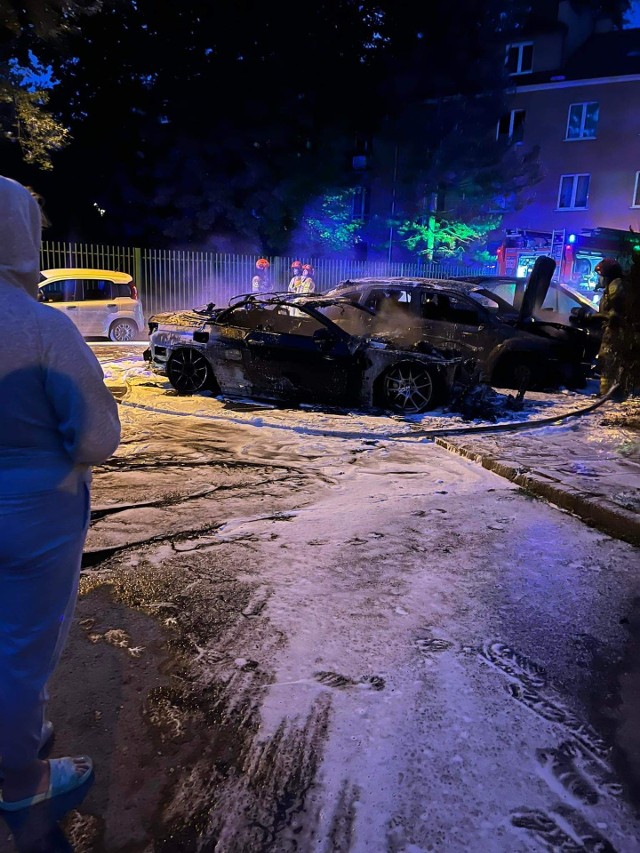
{"x":310,"y":300}
{"x":405,"y":281}
{"x":536,"y":287}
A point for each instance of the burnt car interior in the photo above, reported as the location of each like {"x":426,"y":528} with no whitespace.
{"x":408,"y":303}
{"x":281,"y":316}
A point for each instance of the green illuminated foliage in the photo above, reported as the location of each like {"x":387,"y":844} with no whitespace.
{"x":445,"y":238}
{"x":331,"y":227}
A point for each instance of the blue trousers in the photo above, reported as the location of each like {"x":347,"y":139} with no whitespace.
{"x":41,"y":540}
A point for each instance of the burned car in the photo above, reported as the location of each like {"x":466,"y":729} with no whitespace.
{"x":295,"y":349}
{"x":512,"y":347}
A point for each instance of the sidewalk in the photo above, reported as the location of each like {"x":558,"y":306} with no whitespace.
{"x":588,"y":465}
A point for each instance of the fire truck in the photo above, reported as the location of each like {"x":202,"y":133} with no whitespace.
{"x":576,"y":255}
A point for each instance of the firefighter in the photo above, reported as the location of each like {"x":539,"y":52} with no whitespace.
{"x":613,"y":357}
{"x":296,"y":275}
{"x":307,"y":284}
{"x":261,"y":280}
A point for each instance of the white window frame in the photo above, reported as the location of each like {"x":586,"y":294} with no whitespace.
{"x":584,"y":105}
{"x":635,"y":202}
{"x":512,"y":117}
{"x":521,"y":46}
{"x":574,"y":190}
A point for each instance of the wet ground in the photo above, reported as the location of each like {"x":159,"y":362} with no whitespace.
{"x":323,"y":638}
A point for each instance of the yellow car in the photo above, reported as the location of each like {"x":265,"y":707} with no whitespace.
{"x":101,"y":303}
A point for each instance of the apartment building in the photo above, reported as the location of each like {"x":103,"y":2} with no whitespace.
{"x":581,"y":107}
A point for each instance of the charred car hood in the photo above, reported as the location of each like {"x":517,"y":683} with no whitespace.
{"x":179,"y":319}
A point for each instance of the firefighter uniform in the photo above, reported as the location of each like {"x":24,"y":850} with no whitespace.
{"x":619,"y":310}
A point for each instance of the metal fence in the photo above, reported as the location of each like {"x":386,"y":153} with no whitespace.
{"x":170,"y":280}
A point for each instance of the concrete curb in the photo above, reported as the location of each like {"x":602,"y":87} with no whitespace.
{"x":594,"y":510}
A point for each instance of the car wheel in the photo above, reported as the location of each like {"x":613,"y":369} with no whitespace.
{"x":123,"y":330}
{"x":409,"y":388}
{"x":189,"y":372}
{"x":515,"y":372}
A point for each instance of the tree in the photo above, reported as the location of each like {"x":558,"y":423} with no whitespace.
{"x":449,"y":179}
{"x":27,"y":121}
{"x":209,"y":122}
{"x":328,"y":226}
{"x":28,"y":30}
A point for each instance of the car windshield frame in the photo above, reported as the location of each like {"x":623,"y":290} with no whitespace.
{"x":504,"y":307}
{"x":313,"y":306}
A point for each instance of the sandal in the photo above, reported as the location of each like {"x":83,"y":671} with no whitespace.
{"x":63,"y":777}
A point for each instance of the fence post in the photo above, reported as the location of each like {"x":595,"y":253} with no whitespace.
{"x":137,"y":266}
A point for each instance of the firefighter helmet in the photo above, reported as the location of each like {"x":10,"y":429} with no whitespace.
{"x":296,"y":265}
{"x":307,"y":267}
{"x":607,"y":269}
{"x":262,"y":263}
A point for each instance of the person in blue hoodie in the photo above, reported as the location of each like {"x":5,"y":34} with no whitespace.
{"x":57,"y":419}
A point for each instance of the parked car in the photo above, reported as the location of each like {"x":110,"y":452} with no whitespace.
{"x":513,"y":347}
{"x":297,"y":349}
{"x":559,"y":304}
{"x":101,"y":303}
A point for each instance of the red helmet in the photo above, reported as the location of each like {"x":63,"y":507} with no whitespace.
{"x":262,"y":263}
{"x":307,"y":267}
{"x":296,"y":264}
{"x":609,"y":268}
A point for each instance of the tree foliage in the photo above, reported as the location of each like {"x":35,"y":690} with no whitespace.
{"x":30,"y":29}
{"x":328,"y":226}
{"x":441,"y":238}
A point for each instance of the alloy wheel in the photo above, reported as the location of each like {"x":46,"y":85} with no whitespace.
{"x":188,"y":371}
{"x":122,"y":330}
{"x":408,"y":388}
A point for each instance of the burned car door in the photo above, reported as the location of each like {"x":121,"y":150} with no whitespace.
{"x":397,"y":313}
{"x":469,"y":326}
{"x":295,"y":357}
{"x":463,"y":325}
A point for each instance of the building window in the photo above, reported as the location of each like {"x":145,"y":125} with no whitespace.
{"x":519,"y":59}
{"x":582,"y":122}
{"x":574,"y":192}
{"x":360,"y":203}
{"x":636,"y":191}
{"x":511,"y":126}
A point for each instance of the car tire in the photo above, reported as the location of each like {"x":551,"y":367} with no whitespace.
{"x":515,"y":371}
{"x":123,"y":330}
{"x":408,"y":388}
{"x":189,"y":372}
